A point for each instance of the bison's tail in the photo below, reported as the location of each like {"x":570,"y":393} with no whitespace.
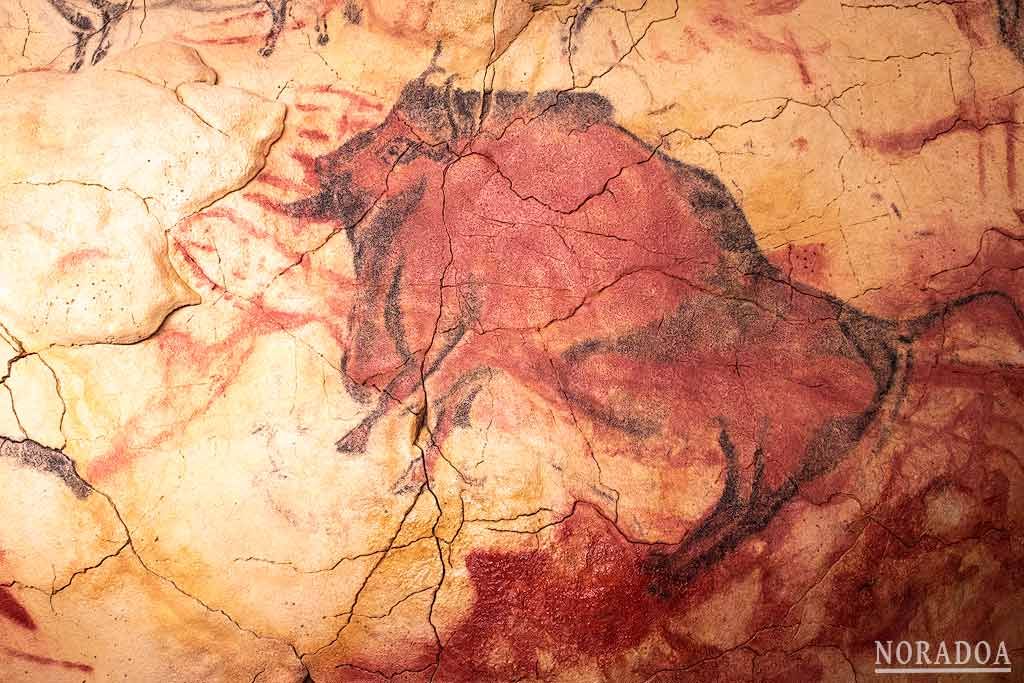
{"x":912,"y":329}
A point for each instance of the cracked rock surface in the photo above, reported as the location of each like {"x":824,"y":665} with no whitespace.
{"x":351,"y":340}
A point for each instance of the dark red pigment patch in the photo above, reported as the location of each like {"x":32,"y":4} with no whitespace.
{"x":11,"y":609}
{"x":889,"y":587}
{"x":918,"y":567}
{"x":585,"y":596}
{"x":589,"y":596}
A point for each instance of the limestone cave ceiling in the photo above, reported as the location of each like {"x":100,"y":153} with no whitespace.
{"x":589,"y":340}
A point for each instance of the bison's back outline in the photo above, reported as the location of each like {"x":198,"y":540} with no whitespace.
{"x":443,"y":120}
{"x":109,"y":14}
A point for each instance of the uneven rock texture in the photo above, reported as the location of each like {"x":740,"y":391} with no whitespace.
{"x":462,"y":341}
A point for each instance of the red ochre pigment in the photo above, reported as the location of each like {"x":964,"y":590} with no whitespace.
{"x":625,"y":290}
{"x":13,"y":611}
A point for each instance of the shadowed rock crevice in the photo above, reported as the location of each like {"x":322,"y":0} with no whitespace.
{"x":39,"y":457}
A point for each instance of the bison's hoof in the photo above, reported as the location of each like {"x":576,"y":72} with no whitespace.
{"x":354,"y":441}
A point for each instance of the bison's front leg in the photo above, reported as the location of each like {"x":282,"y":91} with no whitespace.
{"x":400,"y":388}
{"x":729,"y":521}
{"x":356,"y":439}
{"x":452,"y":410}
{"x":393,"y":394}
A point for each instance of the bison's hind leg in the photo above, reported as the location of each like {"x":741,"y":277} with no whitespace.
{"x":278,"y":14}
{"x":452,"y":410}
{"x":735,"y":515}
{"x":82,"y":27}
{"x":81,"y":42}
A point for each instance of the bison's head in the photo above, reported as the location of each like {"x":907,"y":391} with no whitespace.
{"x":353,"y":177}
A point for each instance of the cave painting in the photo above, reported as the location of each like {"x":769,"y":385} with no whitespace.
{"x":357,"y":341}
{"x":92,"y":26}
{"x":503,"y":247}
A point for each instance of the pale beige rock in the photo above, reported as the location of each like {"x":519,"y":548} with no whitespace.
{"x":164,"y":64}
{"x":9,"y":425}
{"x":263,"y":447}
{"x":116,"y":640}
{"x":37,"y":401}
{"x":83,"y":265}
{"x":8,"y":350}
{"x":102,"y":163}
{"x":80,"y":529}
{"x":178,"y":152}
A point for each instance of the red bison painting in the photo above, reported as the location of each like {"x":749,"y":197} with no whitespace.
{"x":482,"y":223}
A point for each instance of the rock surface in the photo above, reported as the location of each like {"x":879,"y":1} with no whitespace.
{"x":464,"y":341}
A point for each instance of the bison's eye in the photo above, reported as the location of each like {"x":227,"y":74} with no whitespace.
{"x":395,"y":149}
